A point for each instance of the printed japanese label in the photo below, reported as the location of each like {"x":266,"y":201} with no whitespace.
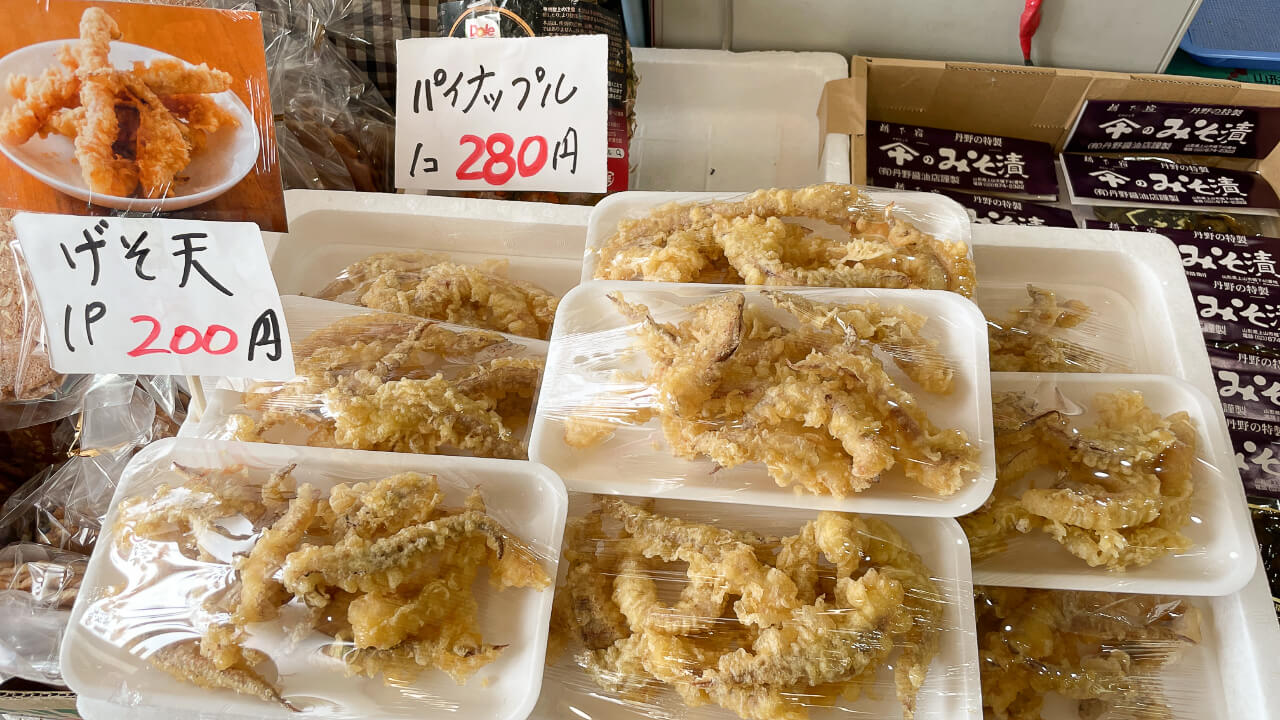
{"x":1249,"y":390}
{"x":502,"y":114}
{"x":1103,"y":180}
{"x":1257,"y":455}
{"x":1176,"y":128}
{"x":1248,"y":384}
{"x":959,"y":160}
{"x":1237,"y":263}
{"x":156,"y":296}
{"x":984,"y":209}
{"x":1231,"y":315}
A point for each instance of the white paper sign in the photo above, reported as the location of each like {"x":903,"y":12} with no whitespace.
{"x":156,"y":296}
{"x":502,"y":114}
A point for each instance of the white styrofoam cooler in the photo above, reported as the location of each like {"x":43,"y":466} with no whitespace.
{"x":712,"y":120}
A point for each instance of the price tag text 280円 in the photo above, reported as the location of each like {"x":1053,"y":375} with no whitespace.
{"x":502,"y":114}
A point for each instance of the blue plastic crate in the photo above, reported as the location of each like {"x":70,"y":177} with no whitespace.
{"x":1236,"y":34}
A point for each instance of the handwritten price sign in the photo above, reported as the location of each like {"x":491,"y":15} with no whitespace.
{"x":502,"y":114}
{"x":156,"y":296}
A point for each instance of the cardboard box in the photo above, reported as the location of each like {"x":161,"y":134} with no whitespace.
{"x":1032,"y":103}
{"x":38,"y":703}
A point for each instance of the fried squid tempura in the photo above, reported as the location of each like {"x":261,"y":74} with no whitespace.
{"x":814,"y":404}
{"x":1120,"y":491}
{"x":38,"y":99}
{"x":126,"y":126}
{"x":398,"y":383}
{"x":1105,"y":651}
{"x":763,"y":626}
{"x":428,"y":286}
{"x":386,"y":570}
{"x":750,"y":242}
{"x":162,"y":148}
{"x":103,"y":171}
{"x":168,"y":76}
{"x":1033,"y":338}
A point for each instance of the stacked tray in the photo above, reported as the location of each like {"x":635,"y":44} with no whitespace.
{"x":1145,"y":330}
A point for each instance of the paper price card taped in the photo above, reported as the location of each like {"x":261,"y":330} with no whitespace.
{"x":156,"y":296}
{"x":509,"y":113}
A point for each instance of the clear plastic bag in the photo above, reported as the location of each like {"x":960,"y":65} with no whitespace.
{"x":671,"y":608}
{"x":1110,"y":482}
{"x":371,"y":380}
{"x":1067,"y":654}
{"x":27,"y":451}
{"x":429,"y":285}
{"x":239,"y":580}
{"x":836,"y":399}
{"x":63,"y":506}
{"x":1043,"y":329}
{"x":38,"y":586}
{"x":31,"y":392}
{"x":336,"y":132}
{"x":825,"y":235}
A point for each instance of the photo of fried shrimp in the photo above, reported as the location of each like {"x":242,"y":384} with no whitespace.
{"x":1034,"y":337}
{"x":134,"y":129}
{"x":382,"y":381}
{"x":381,"y":574}
{"x":761,"y":626}
{"x":1105,"y":651}
{"x":1115,"y":493}
{"x":754,"y":241}
{"x":429,"y":286}
{"x":806,"y":396}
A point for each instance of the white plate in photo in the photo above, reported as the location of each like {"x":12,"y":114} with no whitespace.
{"x":227,"y":157}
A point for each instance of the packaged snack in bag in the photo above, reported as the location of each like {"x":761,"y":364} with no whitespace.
{"x":38,"y":586}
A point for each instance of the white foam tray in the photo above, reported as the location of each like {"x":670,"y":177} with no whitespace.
{"x":328,"y":231}
{"x":591,"y":340}
{"x":932,"y":213}
{"x":951,"y":690}
{"x":1247,"y":638}
{"x":1221,"y":559}
{"x":302,"y":316}
{"x":528,"y":498}
{"x":717,"y":120}
{"x":1136,"y":278}
{"x":1232,"y":673}
{"x":1110,"y":330}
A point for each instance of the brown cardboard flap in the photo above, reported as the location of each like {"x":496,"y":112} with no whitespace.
{"x":1032,"y":103}
{"x":1011,"y":100}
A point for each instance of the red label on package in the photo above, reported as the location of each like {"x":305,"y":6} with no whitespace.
{"x":1177,"y":128}
{"x":1151,"y":181}
{"x":959,"y":160}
